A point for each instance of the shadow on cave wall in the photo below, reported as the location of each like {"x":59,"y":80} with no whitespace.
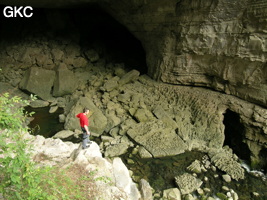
{"x":96,"y":29}
{"x":235,"y":134}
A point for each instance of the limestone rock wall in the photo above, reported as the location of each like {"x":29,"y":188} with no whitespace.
{"x":220,"y":44}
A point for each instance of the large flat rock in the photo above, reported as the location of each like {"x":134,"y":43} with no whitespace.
{"x":160,"y":141}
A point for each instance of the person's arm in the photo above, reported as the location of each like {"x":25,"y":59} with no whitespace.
{"x":87,"y":130}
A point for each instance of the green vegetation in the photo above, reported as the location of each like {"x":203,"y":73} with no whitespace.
{"x":20,"y":178}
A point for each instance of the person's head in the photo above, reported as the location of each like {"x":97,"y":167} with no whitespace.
{"x":86,"y":111}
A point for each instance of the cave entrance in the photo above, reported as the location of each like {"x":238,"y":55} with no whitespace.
{"x":99,"y":29}
{"x":263,"y":159}
{"x":93,"y":26}
{"x":234,"y":135}
{"x":31,"y":41}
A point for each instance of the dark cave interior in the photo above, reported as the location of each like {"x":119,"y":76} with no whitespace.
{"x":234,"y":135}
{"x":94,"y":27}
{"x":263,"y":158}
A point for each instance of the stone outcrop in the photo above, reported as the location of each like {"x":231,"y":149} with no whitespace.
{"x":119,"y":182}
{"x":123,"y":179}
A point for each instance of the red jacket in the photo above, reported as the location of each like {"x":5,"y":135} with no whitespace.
{"x":83,"y":120}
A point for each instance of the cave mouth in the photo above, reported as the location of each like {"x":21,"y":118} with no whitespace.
{"x":235,"y":134}
{"x":94,"y":27}
{"x":263,"y":158}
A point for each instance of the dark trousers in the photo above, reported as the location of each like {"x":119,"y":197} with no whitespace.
{"x":85,"y":138}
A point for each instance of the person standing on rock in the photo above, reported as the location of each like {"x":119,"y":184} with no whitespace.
{"x":84,"y":123}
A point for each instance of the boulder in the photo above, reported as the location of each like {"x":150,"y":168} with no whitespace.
{"x":91,"y":55}
{"x":226,"y":178}
{"x":187,"y":183}
{"x":225,"y":160}
{"x":97,"y":120}
{"x":129,"y":77}
{"x":123,"y":179}
{"x":63,"y":134}
{"x":54,"y":149}
{"x":160,"y":141}
{"x":53,"y":109}
{"x":38,"y":81}
{"x":143,"y":153}
{"x":44,"y":60}
{"x":143,"y":115}
{"x":172,"y":194}
{"x":146,"y":190}
{"x":195,"y":167}
{"x":113,"y":121}
{"x":119,"y":70}
{"x":79,"y":62}
{"x":165,"y":117}
{"x":65,"y":81}
{"x":111,"y":84}
{"x":39,"y":103}
{"x":116,"y":150}
{"x":57,"y":54}
{"x":62,"y":118}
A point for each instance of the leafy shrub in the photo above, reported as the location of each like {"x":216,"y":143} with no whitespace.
{"x":20,"y":178}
